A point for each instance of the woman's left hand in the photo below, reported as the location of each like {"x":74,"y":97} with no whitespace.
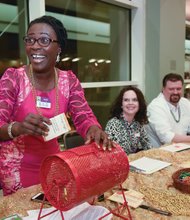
{"x":96,"y":134}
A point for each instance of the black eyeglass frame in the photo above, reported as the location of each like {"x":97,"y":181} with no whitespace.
{"x":38,"y":40}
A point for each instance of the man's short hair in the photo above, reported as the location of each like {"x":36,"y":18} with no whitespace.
{"x":174,"y":77}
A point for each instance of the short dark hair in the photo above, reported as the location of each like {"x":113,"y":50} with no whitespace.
{"x":141,"y":115}
{"x":174,"y":77}
{"x":57,"y":26}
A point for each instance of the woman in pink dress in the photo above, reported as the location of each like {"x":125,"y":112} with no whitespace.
{"x":23,"y":120}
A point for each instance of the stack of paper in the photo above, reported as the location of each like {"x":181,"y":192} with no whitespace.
{"x":147,"y":165}
{"x":85,"y":211}
{"x":176,"y":147}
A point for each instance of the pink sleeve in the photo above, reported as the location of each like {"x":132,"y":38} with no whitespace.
{"x":8,"y":94}
{"x":81,"y":113}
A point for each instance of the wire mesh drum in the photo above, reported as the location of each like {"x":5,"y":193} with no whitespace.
{"x":75,"y":175}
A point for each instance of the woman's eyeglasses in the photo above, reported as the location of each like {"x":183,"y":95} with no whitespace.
{"x":42,"y":41}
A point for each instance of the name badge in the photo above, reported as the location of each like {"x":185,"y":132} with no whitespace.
{"x":43,"y":102}
{"x":137,"y":134}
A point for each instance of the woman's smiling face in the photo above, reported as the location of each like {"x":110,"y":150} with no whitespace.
{"x":42,"y":58}
{"x":130,"y":103}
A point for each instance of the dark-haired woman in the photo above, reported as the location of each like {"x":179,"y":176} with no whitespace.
{"x":30,"y":96}
{"x":127,"y":117}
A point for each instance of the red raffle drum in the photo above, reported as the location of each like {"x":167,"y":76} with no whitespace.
{"x":73,"y":176}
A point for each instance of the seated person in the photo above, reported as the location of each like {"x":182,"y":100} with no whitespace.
{"x":169,"y":113}
{"x":127,"y":117}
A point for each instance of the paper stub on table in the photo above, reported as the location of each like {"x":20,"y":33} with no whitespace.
{"x":148,"y":165}
{"x":58,"y":127}
{"x":177,"y":147}
{"x":134,"y":198}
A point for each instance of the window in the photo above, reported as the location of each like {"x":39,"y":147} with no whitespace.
{"x":12,"y":29}
{"x":98,"y":48}
{"x":98,"y":39}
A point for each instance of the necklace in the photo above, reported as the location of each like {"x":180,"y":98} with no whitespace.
{"x":179,"y":115}
{"x":35,"y":93}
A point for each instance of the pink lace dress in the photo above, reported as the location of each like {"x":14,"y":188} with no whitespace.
{"x":21,"y":157}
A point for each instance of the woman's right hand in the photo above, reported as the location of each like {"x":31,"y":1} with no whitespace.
{"x":33,"y":124}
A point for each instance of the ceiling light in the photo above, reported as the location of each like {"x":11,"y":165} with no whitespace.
{"x":92,"y":60}
{"x":108,"y":61}
{"x":101,"y":61}
{"x":65,"y":59}
{"x":76,"y":59}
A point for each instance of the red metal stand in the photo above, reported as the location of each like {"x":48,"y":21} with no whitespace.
{"x":117,"y":212}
